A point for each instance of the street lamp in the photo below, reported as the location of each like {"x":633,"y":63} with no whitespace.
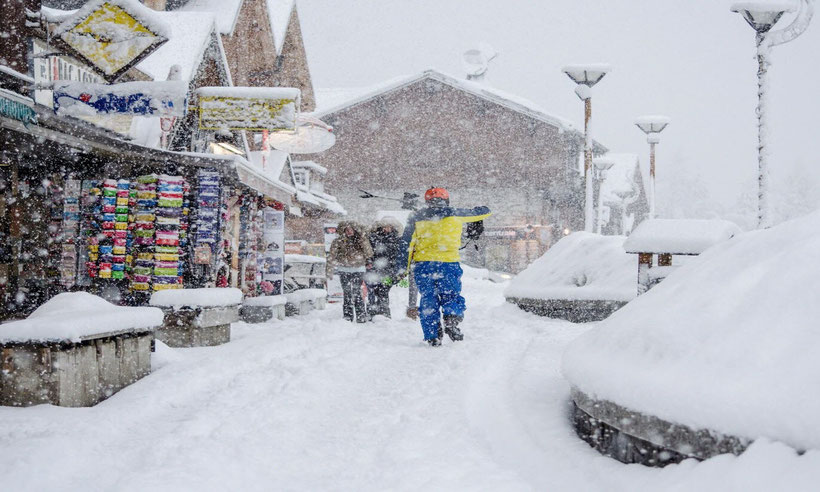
{"x":602,"y":164}
{"x":587,"y":76}
{"x":652,"y":125}
{"x":762,"y":16}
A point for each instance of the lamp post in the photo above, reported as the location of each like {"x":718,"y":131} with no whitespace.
{"x":602,"y":164}
{"x":762,"y":16}
{"x":587,"y":76}
{"x":652,"y":125}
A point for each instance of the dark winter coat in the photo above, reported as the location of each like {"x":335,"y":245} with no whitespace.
{"x":353,"y":251}
{"x":386,"y":248}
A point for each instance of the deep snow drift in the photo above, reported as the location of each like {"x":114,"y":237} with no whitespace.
{"x":729,"y":343}
{"x":581,"y":266}
{"x":315,"y":403}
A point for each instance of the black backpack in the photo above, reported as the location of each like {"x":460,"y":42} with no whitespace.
{"x":474,"y":230}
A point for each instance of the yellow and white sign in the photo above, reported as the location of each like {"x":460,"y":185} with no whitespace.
{"x":110,"y":36}
{"x":248,"y":108}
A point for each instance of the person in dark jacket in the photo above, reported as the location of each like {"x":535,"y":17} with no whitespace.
{"x":349,"y":255}
{"x":385,"y":238}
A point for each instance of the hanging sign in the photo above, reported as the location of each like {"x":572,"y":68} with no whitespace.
{"x":17,"y":111}
{"x":167,"y":98}
{"x":248,"y":108}
{"x":112,"y":36}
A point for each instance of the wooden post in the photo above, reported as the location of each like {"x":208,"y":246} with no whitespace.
{"x":644,"y":264}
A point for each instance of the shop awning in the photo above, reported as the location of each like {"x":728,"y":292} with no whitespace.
{"x":239,"y":169}
{"x":86,"y":138}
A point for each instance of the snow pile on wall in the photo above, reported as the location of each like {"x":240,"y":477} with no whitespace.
{"x":77,"y":315}
{"x":581,"y":266}
{"x":728,"y":343}
{"x":207,"y":297}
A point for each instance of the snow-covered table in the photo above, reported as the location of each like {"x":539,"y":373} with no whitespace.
{"x":263,"y":308}
{"x":197,"y":317}
{"x":303,"y":301}
{"x":75,"y":350}
{"x":583,"y":277}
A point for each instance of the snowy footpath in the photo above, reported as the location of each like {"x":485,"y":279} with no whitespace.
{"x":315,"y":403}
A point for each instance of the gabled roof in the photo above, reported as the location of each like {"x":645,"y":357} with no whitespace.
{"x":225,"y":11}
{"x":279,"y":14}
{"x":510,"y":101}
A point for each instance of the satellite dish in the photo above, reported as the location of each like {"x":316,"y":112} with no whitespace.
{"x":311,"y":135}
{"x":476,"y":61}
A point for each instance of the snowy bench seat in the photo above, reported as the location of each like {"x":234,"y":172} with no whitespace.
{"x":75,"y":350}
{"x":305,"y":300}
{"x":263,"y":308}
{"x":197,"y":317}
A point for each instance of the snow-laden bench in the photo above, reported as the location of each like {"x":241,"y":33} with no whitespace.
{"x":75,"y":350}
{"x":303,"y":301}
{"x":263,"y":308}
{"x":197,"y":317}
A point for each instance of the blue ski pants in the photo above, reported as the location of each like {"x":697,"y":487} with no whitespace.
{"x":439,"y":285}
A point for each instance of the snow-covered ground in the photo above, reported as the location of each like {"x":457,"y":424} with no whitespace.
{"x":315,"y":403}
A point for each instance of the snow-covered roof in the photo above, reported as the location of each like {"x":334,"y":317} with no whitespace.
{"x":319,"y":199}
{"x":190,"y":35}
{"x":679,"y":236}
{"x":581,"y":266}
{"x":205,"y":297}
{"x":728,"y":342}
{"x":279,"y":13}
{"x":516,"y":103}
{"x":310,"y":165}
{"x":225,"y":11}
{"x":78,"y":316}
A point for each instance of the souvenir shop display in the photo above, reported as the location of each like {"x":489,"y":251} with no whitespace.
{"x":167,"y":249}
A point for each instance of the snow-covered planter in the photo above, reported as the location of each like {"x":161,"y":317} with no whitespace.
{"x":583,"y":277}
{"x":263,"y":308}
{"x":197,"y":317}
{"x":304,"y":301}
{"x":721,"y":353}
{"x":75,"y":350}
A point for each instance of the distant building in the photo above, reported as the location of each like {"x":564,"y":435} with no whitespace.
{"x":624,"y":197}
{"x":485,"y":146}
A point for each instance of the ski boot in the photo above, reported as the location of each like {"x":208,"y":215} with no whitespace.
{"x":436,"y":342}
{"x":451,"y":327}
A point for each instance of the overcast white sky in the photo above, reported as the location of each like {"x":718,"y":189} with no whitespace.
{"x":692,"y":60}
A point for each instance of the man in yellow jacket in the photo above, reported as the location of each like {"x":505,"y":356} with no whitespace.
{"x":432,"y":240}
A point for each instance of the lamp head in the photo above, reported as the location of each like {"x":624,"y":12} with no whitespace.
{"x":762,"y":16}
{"x":652,"y":123}
{"x":587,"y":75}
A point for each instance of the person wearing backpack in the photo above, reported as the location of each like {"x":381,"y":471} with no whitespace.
{"x":431,"y":241}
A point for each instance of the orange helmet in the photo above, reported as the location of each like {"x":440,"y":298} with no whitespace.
{"x":433,"y":193}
